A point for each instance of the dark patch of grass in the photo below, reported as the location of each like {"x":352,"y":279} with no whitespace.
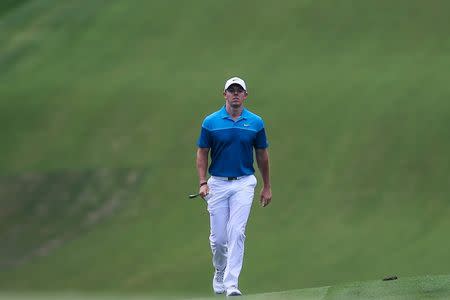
{"x":50,"y":209}
{"x":8,"y":5}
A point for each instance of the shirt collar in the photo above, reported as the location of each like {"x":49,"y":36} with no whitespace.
{"x":224,"y":114}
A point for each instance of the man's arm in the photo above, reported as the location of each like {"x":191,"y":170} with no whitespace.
{"x":262,"y":158}
{"x":202,"y":167}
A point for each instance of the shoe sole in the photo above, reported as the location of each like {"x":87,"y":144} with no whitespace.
{"x":234,"y":294}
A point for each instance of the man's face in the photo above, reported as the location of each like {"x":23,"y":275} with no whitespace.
{"x":235,"y":95}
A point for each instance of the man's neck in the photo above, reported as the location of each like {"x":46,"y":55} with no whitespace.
{"x":235,"y":113}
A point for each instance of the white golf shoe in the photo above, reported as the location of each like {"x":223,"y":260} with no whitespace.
{"x":233,"y":291}
{"x":218,"y":286}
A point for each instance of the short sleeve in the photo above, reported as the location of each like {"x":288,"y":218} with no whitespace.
{"x":204,"y":140}
{"x":261,"y":139}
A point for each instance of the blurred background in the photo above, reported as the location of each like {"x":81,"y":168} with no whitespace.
{"x":101,"y":104}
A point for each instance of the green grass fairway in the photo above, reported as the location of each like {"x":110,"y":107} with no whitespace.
{"x":101,"y":103}
{"x":428,"y":287}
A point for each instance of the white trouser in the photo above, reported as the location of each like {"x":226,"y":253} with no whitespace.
{"x":229,"y":204}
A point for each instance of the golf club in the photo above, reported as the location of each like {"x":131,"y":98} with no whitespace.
{"x":192,"y":196}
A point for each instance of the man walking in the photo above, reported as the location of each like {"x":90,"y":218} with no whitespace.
{"x":231,"y":134}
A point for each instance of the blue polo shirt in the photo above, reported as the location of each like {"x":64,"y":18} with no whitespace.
{"x":232,"y":142}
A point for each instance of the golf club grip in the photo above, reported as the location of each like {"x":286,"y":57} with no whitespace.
{"x":193,"y":196}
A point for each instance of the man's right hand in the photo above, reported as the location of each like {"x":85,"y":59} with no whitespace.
{"x":204,"y":190}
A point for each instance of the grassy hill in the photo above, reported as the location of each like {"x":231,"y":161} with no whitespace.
{"x":103,"y":100}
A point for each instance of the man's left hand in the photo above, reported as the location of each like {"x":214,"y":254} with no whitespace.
{"x":266,"y":196}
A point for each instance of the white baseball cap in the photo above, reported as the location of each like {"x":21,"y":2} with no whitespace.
{"x":235,"y":80}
